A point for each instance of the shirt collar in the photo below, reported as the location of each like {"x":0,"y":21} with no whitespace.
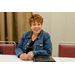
{"x":39,"y":34}
{"x":29,"y":34}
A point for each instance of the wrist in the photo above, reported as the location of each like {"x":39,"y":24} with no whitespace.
{"x":19,"y":55}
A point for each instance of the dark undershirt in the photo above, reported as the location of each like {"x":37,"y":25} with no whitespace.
{"x":30,"y":47}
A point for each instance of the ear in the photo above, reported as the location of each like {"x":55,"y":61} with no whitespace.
{"x":31,"y":27}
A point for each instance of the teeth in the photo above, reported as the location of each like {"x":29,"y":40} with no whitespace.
{"x":37,"y":29}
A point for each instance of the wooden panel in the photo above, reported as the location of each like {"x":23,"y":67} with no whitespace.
{"x":22,"y":23}
{"x":28,"y":15}
{"x":2,"y":26}
{"x":10,"y":26}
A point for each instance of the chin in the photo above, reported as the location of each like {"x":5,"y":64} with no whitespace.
{"x":37,"y":32}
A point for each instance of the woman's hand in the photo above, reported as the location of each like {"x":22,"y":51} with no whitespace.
{"x":24,"y":56}
{"x":30,"y":55}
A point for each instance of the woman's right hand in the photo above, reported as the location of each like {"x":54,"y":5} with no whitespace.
{"x":24,"y":56}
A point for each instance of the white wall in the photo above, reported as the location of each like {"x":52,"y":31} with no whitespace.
{"x":60,"y":26}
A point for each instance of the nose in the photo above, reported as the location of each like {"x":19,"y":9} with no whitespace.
{"x":36,"y":26}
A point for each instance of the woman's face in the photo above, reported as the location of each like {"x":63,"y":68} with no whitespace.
{"x":36,"y":27}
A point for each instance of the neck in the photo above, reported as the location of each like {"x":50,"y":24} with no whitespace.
{"x":35,"y":34}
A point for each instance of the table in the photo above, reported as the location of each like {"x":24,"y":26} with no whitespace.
{"x":11,"y":58}
{"x":64,"y":59}
{"x":14,"y":58}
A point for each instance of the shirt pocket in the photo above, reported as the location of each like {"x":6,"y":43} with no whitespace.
{"x":39,"y":46}
{"x":25,"y":46}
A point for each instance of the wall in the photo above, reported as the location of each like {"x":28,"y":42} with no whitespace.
{"x":60,"y":26}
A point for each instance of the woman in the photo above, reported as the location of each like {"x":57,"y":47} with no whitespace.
{"x":35,"y":42}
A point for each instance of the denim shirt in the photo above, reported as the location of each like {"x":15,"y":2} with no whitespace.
{"x":42,"y":44}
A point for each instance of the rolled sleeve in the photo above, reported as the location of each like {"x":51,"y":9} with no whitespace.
{"x":18,"y":52}
{"x":34,"y":52}
{"x":19,"y":49}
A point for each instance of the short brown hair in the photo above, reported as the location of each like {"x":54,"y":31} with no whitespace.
{"x":35,"y":17}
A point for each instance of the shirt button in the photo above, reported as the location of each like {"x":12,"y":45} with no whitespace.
{"x":28,"y":43}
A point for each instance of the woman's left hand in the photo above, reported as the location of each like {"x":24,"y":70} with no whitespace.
{"x":30,"y":55}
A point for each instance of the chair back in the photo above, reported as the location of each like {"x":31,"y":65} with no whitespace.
{"x":67,"y":49}
{"x":8,"y":47}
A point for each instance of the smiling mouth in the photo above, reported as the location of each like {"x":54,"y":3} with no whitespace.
{"x":36,"y":29}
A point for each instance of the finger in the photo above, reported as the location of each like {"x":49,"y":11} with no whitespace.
{"x":23,"y":57}
{"x":31,"y":53}
{"x":26,"y":57}
{"x":29,"y":57}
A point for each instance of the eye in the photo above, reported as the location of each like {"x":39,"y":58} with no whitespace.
{"x":33,"y":24}
{"x":39,"y":24}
